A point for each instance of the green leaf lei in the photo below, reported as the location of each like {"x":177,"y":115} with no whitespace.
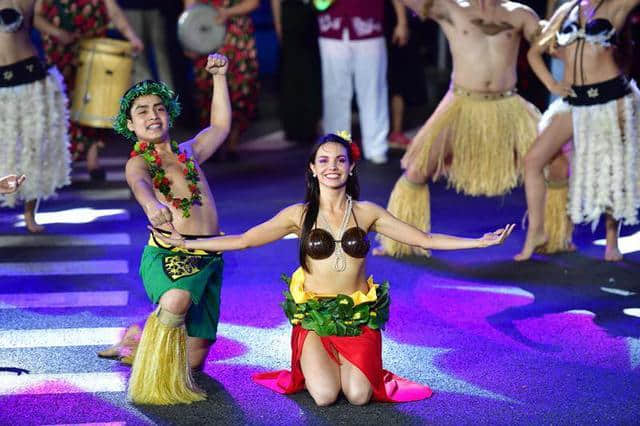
{"x":148,"y":152}
{"x":337,"y":316}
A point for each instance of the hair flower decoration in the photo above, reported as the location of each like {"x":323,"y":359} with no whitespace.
{"x":353,"y":147}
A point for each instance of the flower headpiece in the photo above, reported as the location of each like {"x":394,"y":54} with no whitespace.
{"x":147,"y":87}
{"x":353,"y":147}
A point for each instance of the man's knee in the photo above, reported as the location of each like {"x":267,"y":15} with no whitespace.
{"x":176,"y":301}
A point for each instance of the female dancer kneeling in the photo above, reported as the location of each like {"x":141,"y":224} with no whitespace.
{"x":336,"y":312}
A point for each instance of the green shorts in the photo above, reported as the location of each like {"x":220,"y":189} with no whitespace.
{"x":201,"y":275}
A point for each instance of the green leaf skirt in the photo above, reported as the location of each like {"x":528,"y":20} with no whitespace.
{"x":337,"y":316}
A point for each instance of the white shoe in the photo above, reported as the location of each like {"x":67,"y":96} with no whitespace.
{"x":378,"y":159}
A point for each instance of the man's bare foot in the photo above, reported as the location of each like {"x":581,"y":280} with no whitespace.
{"x":612,"y":254}
{"x":530,"y":245}
{"x":379,"y":251}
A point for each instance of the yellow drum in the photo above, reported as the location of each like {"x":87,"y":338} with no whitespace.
{"x":104,"y":74}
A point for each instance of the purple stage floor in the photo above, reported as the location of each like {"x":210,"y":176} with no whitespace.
{"x":555,"y":340}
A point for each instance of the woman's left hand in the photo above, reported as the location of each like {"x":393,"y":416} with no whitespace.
{"x":496,"y":237}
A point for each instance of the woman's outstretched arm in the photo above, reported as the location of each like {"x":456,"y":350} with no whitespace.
{"x":284,"y":223}
{"x":392,"y":227}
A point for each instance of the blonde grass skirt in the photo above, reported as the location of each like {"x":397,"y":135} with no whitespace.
{"x":34,"y":138}
{"x":408,"y":202}
{"x":488,"y":135}
{"x":160,"y":374}
{"x":557,"y":225}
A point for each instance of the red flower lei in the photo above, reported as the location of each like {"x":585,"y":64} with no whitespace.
{"x":162,"y":183}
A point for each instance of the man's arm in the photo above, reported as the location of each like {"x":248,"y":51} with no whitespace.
{"x":209,"y":139}
{"x":438,"y":10}
{"x":531,"y":27}
{"x":139,"y":181}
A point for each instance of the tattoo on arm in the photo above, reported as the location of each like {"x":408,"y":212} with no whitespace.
{"x":491,"y":28}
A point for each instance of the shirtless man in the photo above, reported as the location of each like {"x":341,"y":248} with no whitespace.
{"x":168,"y":183}
{"x":481,"y":129}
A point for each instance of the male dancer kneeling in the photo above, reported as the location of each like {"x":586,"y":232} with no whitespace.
{"x":165,"y":178}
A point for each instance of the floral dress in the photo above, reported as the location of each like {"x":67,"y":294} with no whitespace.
{"x":86,"y":19}
{"x":240,"y":47}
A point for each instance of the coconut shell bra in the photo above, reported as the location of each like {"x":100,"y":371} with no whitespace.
{"x":320,"y":244}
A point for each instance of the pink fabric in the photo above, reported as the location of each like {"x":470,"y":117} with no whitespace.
{"x":363,"y":19}
{"x":364,"y":351}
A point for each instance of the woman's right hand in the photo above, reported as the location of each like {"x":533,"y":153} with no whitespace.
{"x":561,"y":88}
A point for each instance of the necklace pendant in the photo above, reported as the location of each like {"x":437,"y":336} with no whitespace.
{"x":341,"y":262}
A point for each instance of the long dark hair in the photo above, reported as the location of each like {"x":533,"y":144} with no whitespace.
{"x":312,"y":195}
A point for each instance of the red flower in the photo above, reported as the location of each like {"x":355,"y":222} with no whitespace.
{"x":77,"y":20}
{"x":176,"y":202}
{"x":182,"y":157}
{"x":133,"y":153}
{"x":143,"y":146}
{"x":156,"y":184}
{"x":193,"y":188}
{"x":185,"y":172}
{"x":158,"y":161}
{"x":164,"y":181}
{"x":355,"y":151}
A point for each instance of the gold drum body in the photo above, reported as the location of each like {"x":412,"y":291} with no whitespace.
{"x":104,"y":74}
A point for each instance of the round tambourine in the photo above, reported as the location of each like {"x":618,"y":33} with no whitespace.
{"x":198,"y":30}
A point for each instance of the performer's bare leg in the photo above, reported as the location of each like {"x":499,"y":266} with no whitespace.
{"x":321,"y":373}
{"x":612,"y":252}
{"x":355,"y":385}
{"x":93,"y":162}
{"x":30,"y":217}
{"x":197,"y":351}
{"x":548,"y":143}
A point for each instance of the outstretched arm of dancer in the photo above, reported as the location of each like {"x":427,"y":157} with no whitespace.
{"x":209,"y":140}
{"x":391,"y":227}
{"x":284,"y":223}
{"x":11,"y":183}
{"x":137,"y":175}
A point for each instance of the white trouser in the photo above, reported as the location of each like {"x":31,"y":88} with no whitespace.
{"x":364,"y":61}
